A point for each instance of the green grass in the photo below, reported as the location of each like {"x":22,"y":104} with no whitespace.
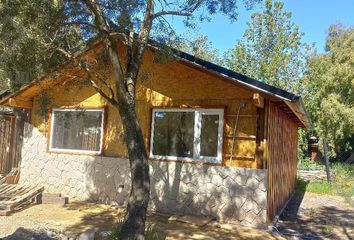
{"x":342,"y":184}
{"x":308,"y":164}
{"x":300,"y":186}
{"x":319,"y":187}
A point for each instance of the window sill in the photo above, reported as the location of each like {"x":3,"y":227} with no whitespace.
{"x":197,"y":162}
{"x":83,"y":153}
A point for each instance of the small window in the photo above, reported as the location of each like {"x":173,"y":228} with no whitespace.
{"x":77,"y":130}
{"x":187,"y":134}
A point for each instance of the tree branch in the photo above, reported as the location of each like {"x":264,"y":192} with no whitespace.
{"x":98,"y":15}
{"x":82,"y":23}
{"x":92,"y":78}
{"x":187,"y":11}
{"x":176,"y":13}
{"x":111,"y":45}
{"x":100,"y":91}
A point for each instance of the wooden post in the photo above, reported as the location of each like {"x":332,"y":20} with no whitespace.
{"x":326,"y":160}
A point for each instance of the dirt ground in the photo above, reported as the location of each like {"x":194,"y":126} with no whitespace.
{"x":75,"y":218}
{"x":314,"y":216}
{"x":308,"y":216}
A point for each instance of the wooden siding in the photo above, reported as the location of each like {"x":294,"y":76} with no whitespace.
{"x":282,"y":158}
{"x":7,"y":127}
{"x":168,"y":85}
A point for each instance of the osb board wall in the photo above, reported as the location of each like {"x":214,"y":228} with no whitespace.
{"x":282,"y":158}
{"x":171,"y":85}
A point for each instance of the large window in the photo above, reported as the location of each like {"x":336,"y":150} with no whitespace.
{"x":77,"y":130}
{"x":187,"y":134}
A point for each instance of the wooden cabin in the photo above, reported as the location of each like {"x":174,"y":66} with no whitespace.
{"x":220,"y":143}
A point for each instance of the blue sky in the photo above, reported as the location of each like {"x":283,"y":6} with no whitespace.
{"x":313,"y":17}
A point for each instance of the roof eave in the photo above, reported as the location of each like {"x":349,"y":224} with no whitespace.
{"x":293,"y":101}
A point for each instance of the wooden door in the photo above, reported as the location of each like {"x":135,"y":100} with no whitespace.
{"x":7,"y":130}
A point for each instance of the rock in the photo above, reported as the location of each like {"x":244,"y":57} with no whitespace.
{"x":20,"y":233}
{"x":172,"y":218}
{"x":35,"y":234}
{"x":49,"y":233}
{"x":105,"y":234}
{"x":87,"y":235}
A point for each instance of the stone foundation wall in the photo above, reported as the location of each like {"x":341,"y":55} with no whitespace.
{"x":80,"y":177}
{"x":228,"y":194}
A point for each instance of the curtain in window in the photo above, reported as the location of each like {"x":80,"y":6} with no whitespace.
{"x":77,"y":130}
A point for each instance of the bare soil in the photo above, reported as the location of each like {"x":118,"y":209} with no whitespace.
{"x":76,"y":218}
{"x":314,"y":216}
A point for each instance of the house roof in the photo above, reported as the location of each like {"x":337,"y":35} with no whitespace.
{"x":4,"y":92}
{"x":290,"y":103}
{"x":238,"y":77}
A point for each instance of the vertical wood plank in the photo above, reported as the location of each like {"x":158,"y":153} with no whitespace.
{"x":6,"y":146}
{"x":281,"y":159}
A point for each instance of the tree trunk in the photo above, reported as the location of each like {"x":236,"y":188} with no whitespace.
{"x":134,"y":224}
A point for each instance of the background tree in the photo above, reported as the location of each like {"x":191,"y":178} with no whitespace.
{"x":131,"y":22}
{"x":3,"y":82}
{"x":329,"y":95}
{"x":199,"y":46}
{"x":26,"y":30}
{"x":272,"y":50}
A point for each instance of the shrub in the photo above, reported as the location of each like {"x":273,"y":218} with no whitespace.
{"x":344,"y":181}
{"x":342,"y":184}
{"x":308,"y":164}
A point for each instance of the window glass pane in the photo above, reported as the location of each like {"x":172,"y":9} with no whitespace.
{"x":77,"y":130}
{"x":209,"y":135}
{"x":173,"y":134}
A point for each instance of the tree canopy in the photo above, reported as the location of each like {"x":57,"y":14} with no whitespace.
{"x":47,"y":25}
{"x":54,"y":29}
{"x":27,"y":30}
{"x":199,"y":46}
{"x":272,"y":49}
{"x":329,"y":95}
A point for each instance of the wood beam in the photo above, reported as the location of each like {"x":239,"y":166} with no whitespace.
{"x":20,"y":103}
{"x":258,"y":100}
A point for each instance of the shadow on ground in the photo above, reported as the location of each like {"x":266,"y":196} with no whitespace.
{"x":97,"y":219}
{"x":48,"y":221}
{"x":317,"y":217}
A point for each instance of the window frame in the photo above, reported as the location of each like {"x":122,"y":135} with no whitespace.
{"x":198,"y":112}
{"x":76,"y":151}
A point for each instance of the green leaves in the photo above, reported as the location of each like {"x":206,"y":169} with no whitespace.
{"x":28,"y":33}
{"x":199,"y":46}
{"x":272,"y":50}
{"x":329,"y":94}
